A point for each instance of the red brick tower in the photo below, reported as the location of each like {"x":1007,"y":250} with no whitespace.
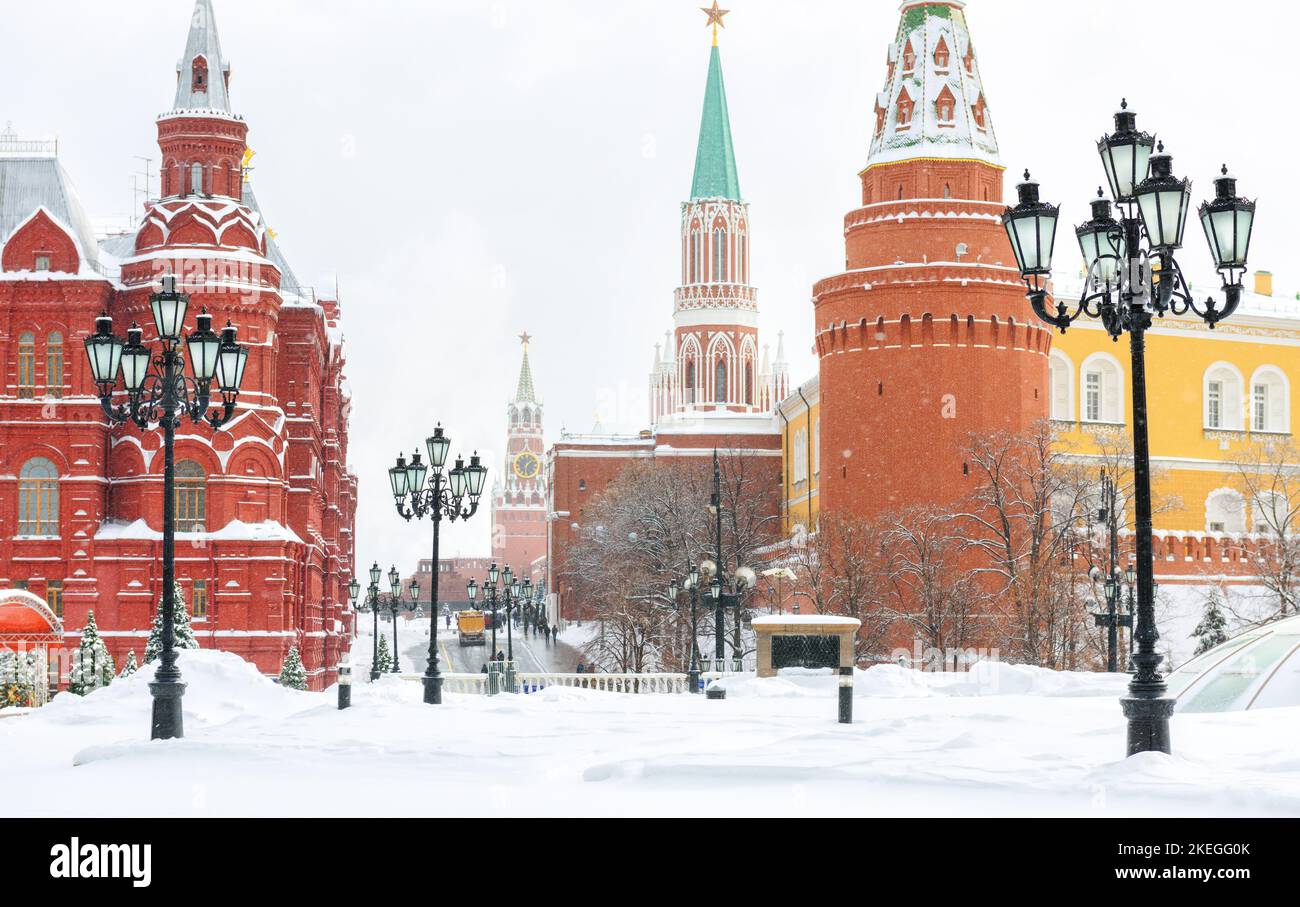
{"x":519,"y":496}
{"x":926,"y":336}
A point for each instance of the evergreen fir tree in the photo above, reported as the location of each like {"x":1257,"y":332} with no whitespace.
{"x":130,"y":667}
{"x":180,"y":618}
{"x":384,"y":659}
{"x":92,"y":666}
{"x":292,"y":674}
{"x":17,"y":681}
{"x":1213,"y":628}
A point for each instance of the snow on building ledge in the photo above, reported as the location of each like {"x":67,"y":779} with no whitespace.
{"x":235,"y":530}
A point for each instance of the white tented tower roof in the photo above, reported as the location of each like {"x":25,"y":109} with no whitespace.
{"x":917,"y":78}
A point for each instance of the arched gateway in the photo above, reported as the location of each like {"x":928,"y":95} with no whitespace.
{"x":28,"y":630}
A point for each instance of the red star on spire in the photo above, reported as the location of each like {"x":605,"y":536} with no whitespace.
{"x":524,"y":338}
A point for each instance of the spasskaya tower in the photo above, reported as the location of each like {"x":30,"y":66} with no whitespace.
{"x":519,"y":495}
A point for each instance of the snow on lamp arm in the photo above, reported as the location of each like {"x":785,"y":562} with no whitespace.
{"x":1132,"y":277}
{"x":421,"y":490}
{"x":159,"y":394}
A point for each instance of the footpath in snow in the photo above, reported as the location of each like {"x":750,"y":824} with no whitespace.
{"x":1001,"y":740}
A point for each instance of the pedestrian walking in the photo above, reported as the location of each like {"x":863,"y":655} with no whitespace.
{"x":555,"y":632}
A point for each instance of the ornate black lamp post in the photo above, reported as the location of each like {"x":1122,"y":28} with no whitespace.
{"x":693,"y":586}
{"x":729,"y":591}
{"x":1111,"y":619}
{"x":445,"y":496}
{"x":159,"y":395}
{"x":395,"y":606}
{"x":372,"y":597}
{"x":1132,"y":276}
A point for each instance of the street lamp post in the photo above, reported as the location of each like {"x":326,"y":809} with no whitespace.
{"x":1132,"y":276}
{"x":394,"y":606}
{"x":693,"y":585}
{"x":160,"y":395}
{"x":372,"y":596}
{"x":1111,"y":619}
{"x":725,"y":591}
{"x":445,"y":496}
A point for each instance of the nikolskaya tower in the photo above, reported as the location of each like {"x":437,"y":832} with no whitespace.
{"x":711,"y":370}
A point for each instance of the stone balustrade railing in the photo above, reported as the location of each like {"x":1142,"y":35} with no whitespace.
{"x":532,"y":682}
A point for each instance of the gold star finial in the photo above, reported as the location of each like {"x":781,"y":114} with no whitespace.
{"x":715,"y":15}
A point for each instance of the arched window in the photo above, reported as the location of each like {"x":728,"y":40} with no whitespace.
{"x":191,"y":496}
{"x":1060,"y":374}
{"x":720,"y":379}
{"x":196,"y":178}
{"x":54,"y":364}
{"x":944,"y":106}
{"x":1222,"y":397}
{"x":690,"y":380}
{"x":27,"y":364}
{"x":199,"y":74}
{"x":909,"y":58}
{"x":749,"y":383}
{"x":1270,"y":404}
{"x":978,"y":110}
{"x":743,"y":275}
{"x":1225,"y":511}
{"x":719,"y":255}
{"x":1102,"y":382}
{"x":903,"y":117}
{"x":941,"y":55}
{"x":38,"y":498}
{"x":800,"y":455}
{"x":696,"y":260}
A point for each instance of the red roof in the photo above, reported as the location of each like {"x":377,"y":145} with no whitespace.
{"x":26,"y":616}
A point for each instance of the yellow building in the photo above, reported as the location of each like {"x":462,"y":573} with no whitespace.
{"x":1211,"y":394}
{"x":800,"y":417}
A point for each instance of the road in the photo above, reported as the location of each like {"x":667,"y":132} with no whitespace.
{"x":532,"y":654}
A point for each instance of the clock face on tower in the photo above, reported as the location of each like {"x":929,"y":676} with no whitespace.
{"x":526,"y":464}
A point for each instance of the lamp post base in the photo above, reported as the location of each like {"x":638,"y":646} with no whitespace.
{"x":432,"y":689}
{"x":693,"y":680}
{"x":1148,"y":722}
{"x":168,"y":716}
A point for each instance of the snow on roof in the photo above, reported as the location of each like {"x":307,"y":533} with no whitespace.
{"x":926,"y":136}
{"x":31,"y":182}
{"x":800,"y":620}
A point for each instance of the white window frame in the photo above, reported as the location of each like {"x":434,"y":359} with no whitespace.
{"x":1231,"y":400}
{"x":1111,"y":385}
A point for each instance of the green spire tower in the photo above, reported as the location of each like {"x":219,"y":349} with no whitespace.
{"x":715,"y":157}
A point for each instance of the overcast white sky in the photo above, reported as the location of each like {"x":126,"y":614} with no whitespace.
{"x":470,"y":170}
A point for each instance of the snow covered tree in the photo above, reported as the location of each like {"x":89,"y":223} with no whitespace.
{"x":292,"y":674}
{"x":17,"y":681}
{"x":181,"y":618}
{"x":92,"y":666}
{"x":384,"y":660}
{"x":130,"y":667}
{"x":1213,"y":628}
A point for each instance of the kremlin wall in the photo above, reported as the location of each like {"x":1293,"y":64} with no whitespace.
{"x":926,"y":337}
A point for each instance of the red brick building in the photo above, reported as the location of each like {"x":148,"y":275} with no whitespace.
{"x":709,"y":387}
{"x":454,"y":574}
{"x":265,"y":507}
{"x":926,"y":336}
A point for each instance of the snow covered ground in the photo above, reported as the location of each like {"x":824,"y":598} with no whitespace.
{"x":1002,"y":740}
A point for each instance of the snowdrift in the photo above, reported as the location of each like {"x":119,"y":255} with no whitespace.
{"x":220,"y":686}
{"x":987,"y":678}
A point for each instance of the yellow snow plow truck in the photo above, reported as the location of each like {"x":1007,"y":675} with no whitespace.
{"x":469,"y":627}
